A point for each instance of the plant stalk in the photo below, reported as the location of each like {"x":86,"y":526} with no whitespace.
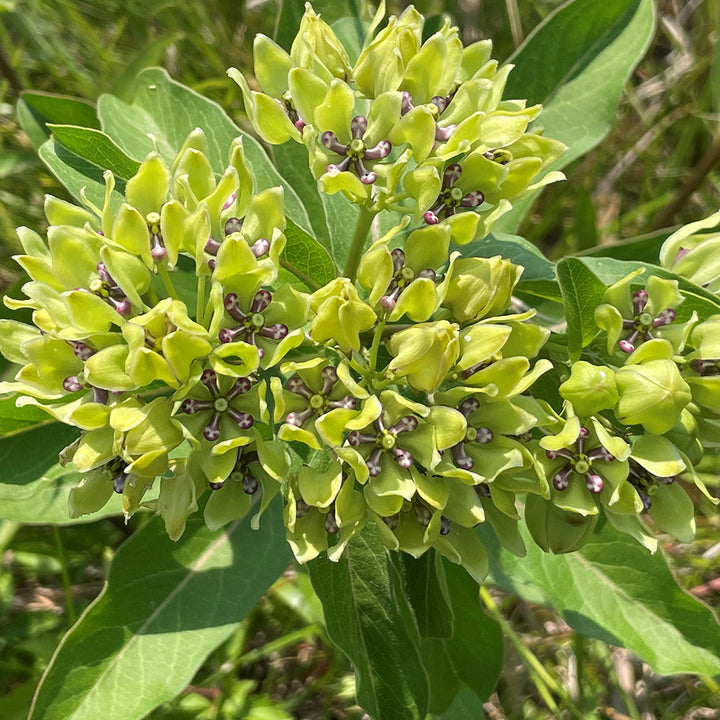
{"x":67,"y":591}
{"x":358,"y":242}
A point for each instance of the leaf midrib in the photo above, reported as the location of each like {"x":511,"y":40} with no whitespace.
{"x":192,"y":572}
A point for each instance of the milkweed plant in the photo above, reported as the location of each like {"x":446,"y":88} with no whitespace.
{"x":413,"y":401}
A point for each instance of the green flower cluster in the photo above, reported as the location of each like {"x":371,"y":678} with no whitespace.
{"x":416,"y":127}
{"x":402,"y":393}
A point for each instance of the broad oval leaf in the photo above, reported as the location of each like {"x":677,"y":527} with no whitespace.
{"x":306,"y":258}
{"x":363,"y":619}
{"x":79,"y":175}
{"x":36,"y":109}
{"x":95,"y":147}
{"x":582,"y":292}
{"x":615,"y":590}
{"x":34,"y":488}
{"x":164,"y":608}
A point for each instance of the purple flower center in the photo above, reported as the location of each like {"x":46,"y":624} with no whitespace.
{"x":452,"y":197}
{"x":220,"y":405}
{"x":356,"y":151}
{"x":385,"y":440}
{"x":318,"y":403}
{"x":643,"y":323}
{"x":580,"y":461}
{"x":252,"y":323}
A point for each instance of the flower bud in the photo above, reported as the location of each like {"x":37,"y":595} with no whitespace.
{"x":652,"y":394}
{"x":555,"y":530}
{"x":317,"y":48}
{"x":425,"y":353}
{"x":381,"y":65}
{"x":590,"y":388}
{"x":480,"y":287}
{"x":340,"y":315}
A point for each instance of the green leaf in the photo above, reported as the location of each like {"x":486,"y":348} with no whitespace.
{"x":423,"y":582}
{"x":34,"y":488}
{"x":291,"y":161}
{"x":576,"y":63}
{"x":615,"y":590}
{"x":363,"y":619}
{"x":306,"y":258}
{"x":645,"y":248}
{"x":36,"y":109}
{"x":351,"y":32}
{"x":697,"y":299}
{"x":442,"y":677}
{"x":582,"y":292}
{"x":165,"y":607}
{"x":538,"y":277}
{"x":151,"y":54}
{"x":476,"y":646}
{"x":48,"y":503}
{"x":333,"y":217}
{"x":95,"y":147}
{"x":77,"y":174}
{"x":164,"y":112}
{"x":465,"y":706}
{"x":13,"y":418}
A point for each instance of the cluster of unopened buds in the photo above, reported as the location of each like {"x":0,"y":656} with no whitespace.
{"x":402,"y":393}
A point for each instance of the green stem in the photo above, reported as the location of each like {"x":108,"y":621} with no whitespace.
{"x":167,"y":282}
{"x":541,"y":678}
{"x":200,"y":300}
{"x":69,"y":606}
{"x":372,"y":362}
{"x":358,"y":242}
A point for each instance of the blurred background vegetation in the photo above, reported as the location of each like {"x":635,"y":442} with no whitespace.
{"x":656,"y":170}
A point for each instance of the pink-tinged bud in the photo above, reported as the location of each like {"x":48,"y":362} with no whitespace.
{"x":358,"y":126}
{"x":431,"y":218}
{"x":593,"y":482}
{"x":212,"y":430}
{"x":243,"y":420}
{"x":233,"y":225}
{"x":260,"y":247}
{"x":387,"y":303}
{"x":158,"y":253}
{"x":331,"y":525}
{"x":123,"y":307}
{"x":562,"y":478}
{"x":72,"y":384}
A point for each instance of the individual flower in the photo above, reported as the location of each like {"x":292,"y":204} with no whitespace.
{"x":703,"y":371}
{"x":313,"y":398}
{"x":480,"y":287}
{"x":129,"y":452}
{"x":586,"y":461}
{"x":652,"y":392}
{"x":221,"y":410}
{"x":424,"y":353}
{"x":339,"y":315}
{"x":590,"y":388}
{"x":643,"y":314}
{"x":381,"y":65}
{"x":405,"y":280}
